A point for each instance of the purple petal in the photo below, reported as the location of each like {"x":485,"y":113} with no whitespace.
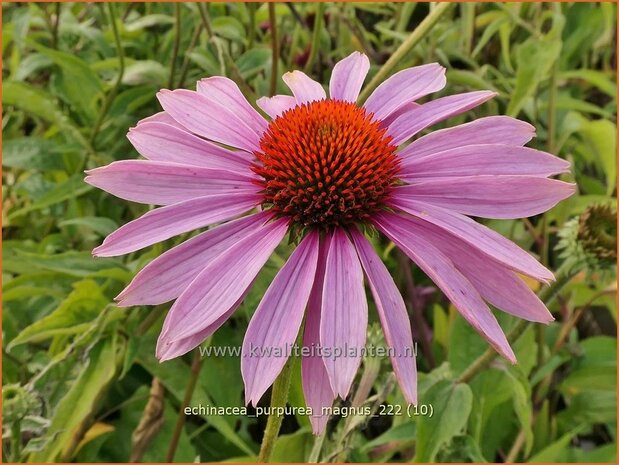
{"x":348,"y":76}
{"x":175,"y":349}
{"x":221,"y":284}
{"x":162,"y":183}
{"x":393,"y":316}
{"x":483,"y":238}
{"x":209,"y":119}
{"x":385,"y":123}
{"x":316,"y":385}
{"x":276,"y":322}
{"x":434,"y":112}
{"x":489,"y":130}
{"x":490,"y":196}
{"x":403,"y":87}
{"x":164,"y":118}
{"x":496,"y":284}
{"x":442,"y":271}
{"x":304,"y":88}
{"x":166,"y":277}
{"x":163,"y":142}
{"x":225,"y":92}
{"x":472,"y":160}
{"x":276,"y":105}
{"x":166,"y":222}
{"x":344,"y":318}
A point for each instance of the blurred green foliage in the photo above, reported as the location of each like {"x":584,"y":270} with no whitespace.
{"x":77,"y":371}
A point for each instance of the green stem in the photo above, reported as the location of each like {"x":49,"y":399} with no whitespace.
{"x":274,"y":49}
{"x":320,"y":9}
{"x":251,"y":8}
{"x":552,"y":103}
{"x":196,"y":365}
{"x":279,"y":397}
{"x":16,"y":441}
{"x":547,"y":295}
{"x":177,"y":44}
{"x":56,"y":27}
{"x":317,"y":448}
{"x":121,"y":71}
{"x":187,"y":60}
{"x":413,"y":39}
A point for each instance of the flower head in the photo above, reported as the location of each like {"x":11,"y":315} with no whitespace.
{"x":589,"y":241}
{"x":325,"y":170}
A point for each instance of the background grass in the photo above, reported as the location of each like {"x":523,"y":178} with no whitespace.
{"x":79,"y":375}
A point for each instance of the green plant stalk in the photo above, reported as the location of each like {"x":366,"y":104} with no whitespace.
{"x":318,"y":21}
{"x":413,"y":39}
{"x":186,"y":60}
{"x":316,"y":448}
{"x":196,"y":366}
{"x":121,"y":71}
{"x":279,"y":397}
{"x":177,"y":44}
{"x":274,"y":49}
{"x":16,"y":441}
{"x":547,"y":295}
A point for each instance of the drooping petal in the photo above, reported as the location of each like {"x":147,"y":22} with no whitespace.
{"x":393,"y":316}
{"x":459,"y":290}
{"x":166,"y":222}
{"x":316,"y":385}
{"x":496,"y":284}
{"x":276,"y":105}
{"x":162,"y":183}
{"x":500,"y":129}
{"x":348,"y":76}
{"x":304,"y":88}
{"x":490,"y":196}
{"x":403,"y":87}
{"x":274,"y":326}
{"x":161,"y":117}
{"x":344,"y":318}
{"x":209,"y":119}
{"x":485,"y":239}
{"x":163,"y":142}
{"x":473,"y":160}
{"x":167,"y":351}
{"x":219,"y":286}
{"x":434,"y":112}
{"x":166,"y":277}
{"x":225,"y":92}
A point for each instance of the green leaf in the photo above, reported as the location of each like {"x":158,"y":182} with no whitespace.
{"x":145,"y":72}
{"x":69,"y":189}
{"x":556,"y":451}
{"x":596,"y":370}
{"x":404,"y":432}
{"x":229,"y":28}
{"x":79,"y":82}
{"x":291,"y":448}
{"x":78,"y":264}
{"x":535,"y":59}
{"x":40,"y":104}
{"x":74,"y":315}
{"x":598,"y":79}
{"x":77,"y":408}
{"x":31,"y":153}
{"x":601,"y":138}
{"x":101,"y":225}
{"x":452,"y":405}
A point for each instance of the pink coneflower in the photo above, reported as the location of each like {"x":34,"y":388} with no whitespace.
{"x":325,"y":171}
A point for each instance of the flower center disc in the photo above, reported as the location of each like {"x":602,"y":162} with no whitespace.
{"x":326,"y":163}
